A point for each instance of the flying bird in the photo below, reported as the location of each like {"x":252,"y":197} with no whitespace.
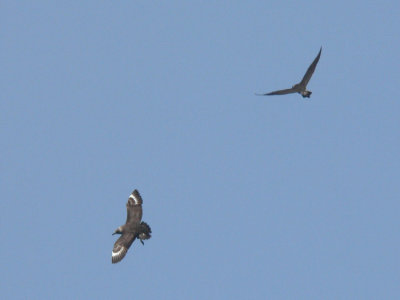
{"x":132,"y":229}
{"x":302,"y":85}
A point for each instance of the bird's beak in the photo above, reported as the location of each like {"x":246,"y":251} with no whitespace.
{"x":114,"y":233}
{"x":142,"y":242}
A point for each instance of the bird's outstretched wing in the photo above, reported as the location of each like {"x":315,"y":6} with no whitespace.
{"x":280,"y":92}
{"x":310,"y":70}
{"x":134,"y":208}
{"x":121,"y":247}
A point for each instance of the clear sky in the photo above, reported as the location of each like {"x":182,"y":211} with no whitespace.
{"x":248,"y":197}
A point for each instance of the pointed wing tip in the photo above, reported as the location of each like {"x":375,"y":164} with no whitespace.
{"x":116,"y":257}
{"x":136,"y":197}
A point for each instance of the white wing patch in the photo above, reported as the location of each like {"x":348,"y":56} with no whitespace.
{"x":135,"y":196}
{"x":118,"y":256}
{"x":114,"y":254}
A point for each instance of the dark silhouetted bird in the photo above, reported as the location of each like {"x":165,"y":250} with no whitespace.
{"x":132,"y":229}
{"x":302,"y":85}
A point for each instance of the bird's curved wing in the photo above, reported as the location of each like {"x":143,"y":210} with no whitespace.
{"x":310,"y":70}
{"x":134,"y":208}
{"x":280,"y":92}
{"x":121,"y":247}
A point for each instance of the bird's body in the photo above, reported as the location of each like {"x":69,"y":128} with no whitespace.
{"x":132,"y":229}
{"x":300,"y":87}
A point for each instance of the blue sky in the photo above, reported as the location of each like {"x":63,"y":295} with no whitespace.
{"x":248,"y":197}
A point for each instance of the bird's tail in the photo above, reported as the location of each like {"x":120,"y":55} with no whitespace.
{"x":145,"y":231}
{"x":306,"y":94}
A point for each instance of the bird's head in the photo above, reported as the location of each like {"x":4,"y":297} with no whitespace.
{"x":118,"y":230}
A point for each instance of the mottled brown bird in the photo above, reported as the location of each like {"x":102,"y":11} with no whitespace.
{"x":132,"y":229}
